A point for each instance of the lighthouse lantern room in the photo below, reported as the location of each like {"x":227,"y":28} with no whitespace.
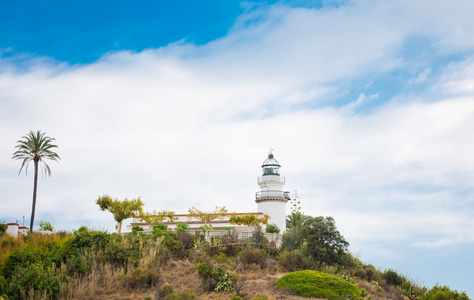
{"x":271,"y":198}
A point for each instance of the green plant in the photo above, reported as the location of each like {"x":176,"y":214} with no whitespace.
{"x":293,"y":260}
{"x":3,"y":227}
{"x":136,"y":229}
{"x":254,"y":256}
{"x":182,"y":227}
{"x":160,"y":227}
{"x":392,"y":277}
{"x":36,"y":147}
{"x":235,"y":297}
{"x":272,"y":228}
{"x":324,"y":243}
{"x":215,"y":279}
{"x":46,"y":226}
{"x":221,"y":258}
{"x":443,"y":293}
{"x":319,"y":285}
{"x":121,"y":210}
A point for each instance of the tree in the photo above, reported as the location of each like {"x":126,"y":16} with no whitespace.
{"x":46,"y":226}
{"x":249,"y":220}
{"x":296,"y":220}
{"x":219,"y":213}
{"x":272,"y":228}
{"x":323,"y":242}
{"x":155,"y":217}
{"x":120,"y":209}
{"x":36,"y":147}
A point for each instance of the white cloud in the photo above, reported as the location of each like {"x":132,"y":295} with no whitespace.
{"x":185,"y":124}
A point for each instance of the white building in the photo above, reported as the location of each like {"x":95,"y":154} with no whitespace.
{"x":272,"y":199}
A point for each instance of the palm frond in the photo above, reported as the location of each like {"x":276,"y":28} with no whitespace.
{"x":35,"y":146}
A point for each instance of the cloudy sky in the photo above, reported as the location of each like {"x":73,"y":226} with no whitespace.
{"x":368,"y":105}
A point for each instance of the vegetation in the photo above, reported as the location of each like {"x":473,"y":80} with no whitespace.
{"x":272,"y":228}
{"x":46,"y":226}
{"x":120,"y":209}
{"x":36,"y":147}
{"x":249,"y":220}
{"x":155,"y":217}
{"x":166,"y":264}
{"x":219,"y":213}
{"x":319,"y":285}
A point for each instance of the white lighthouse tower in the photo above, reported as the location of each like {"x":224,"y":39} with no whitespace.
{"x":271,"y":199}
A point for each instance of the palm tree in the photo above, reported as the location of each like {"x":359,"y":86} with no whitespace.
{"x":36,"y":147}
{"x":296,"y":219}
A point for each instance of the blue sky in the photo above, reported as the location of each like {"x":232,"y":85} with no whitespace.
{"x":369,"y":106}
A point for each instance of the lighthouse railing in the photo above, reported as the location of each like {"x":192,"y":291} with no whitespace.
{"x":273,"y":194}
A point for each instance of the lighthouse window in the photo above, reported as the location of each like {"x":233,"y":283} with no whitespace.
{"x":270,"y":171}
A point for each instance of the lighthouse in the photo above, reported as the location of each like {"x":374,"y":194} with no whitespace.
{"x":271,"y":198}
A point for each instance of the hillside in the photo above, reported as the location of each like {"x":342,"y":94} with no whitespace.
{"x":172,"y":265}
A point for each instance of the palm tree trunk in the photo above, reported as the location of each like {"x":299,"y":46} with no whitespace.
{"x":35,"y":187}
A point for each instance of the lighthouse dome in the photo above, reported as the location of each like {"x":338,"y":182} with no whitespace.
{"x":271,"y":166}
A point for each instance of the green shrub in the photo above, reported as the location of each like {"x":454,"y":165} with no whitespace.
{"x":182,"y":227}
{"x":293,"y":260}
{"x":272,"y":228}
{"x":254,"y":256}
{"x":46,"y":226}
{"x":205,"y":270}
{"x":392,"y":277}
{"x":22,"y":257}
{"x":319,"y":285}
{"x":45,"y":280}
{"x":137,"y":229}
{"x":3,"y":286}
{"x":141,"y":277}
{"x":3,"y":227}
{"x":235,"y":297}
{"x":215,"y":279}
{"x":160,"y":227}
{"x":221,"y":258}
{"x":443,"y":293}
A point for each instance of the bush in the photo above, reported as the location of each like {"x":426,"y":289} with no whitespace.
{"x":319,"y":285}
{"x":22,"y":257}
{"x":272,"y":228}
{"x":215,"y":279}
{"x":221,"y":258}
{"x":3,"y":228}
{"x":293,"y":260}
{"x":182,"y":227}
{"x":393,"y":278}
{"x":254,"y":256}
{"x":443,"y":293}
{"x":140,"y":277}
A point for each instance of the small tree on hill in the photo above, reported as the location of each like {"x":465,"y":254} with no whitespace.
{"x":323,"y":242}
{"x":120,"y":209}
{"x":46,"y":226}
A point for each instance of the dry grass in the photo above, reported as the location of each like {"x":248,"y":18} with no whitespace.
{"x":9,"y":244}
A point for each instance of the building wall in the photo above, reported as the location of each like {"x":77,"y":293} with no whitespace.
{"x":277,"y":212}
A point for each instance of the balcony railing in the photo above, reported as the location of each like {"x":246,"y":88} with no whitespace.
{"x":272,"y":194}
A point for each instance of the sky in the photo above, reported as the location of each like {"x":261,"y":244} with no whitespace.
{"x":368,"y":105}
